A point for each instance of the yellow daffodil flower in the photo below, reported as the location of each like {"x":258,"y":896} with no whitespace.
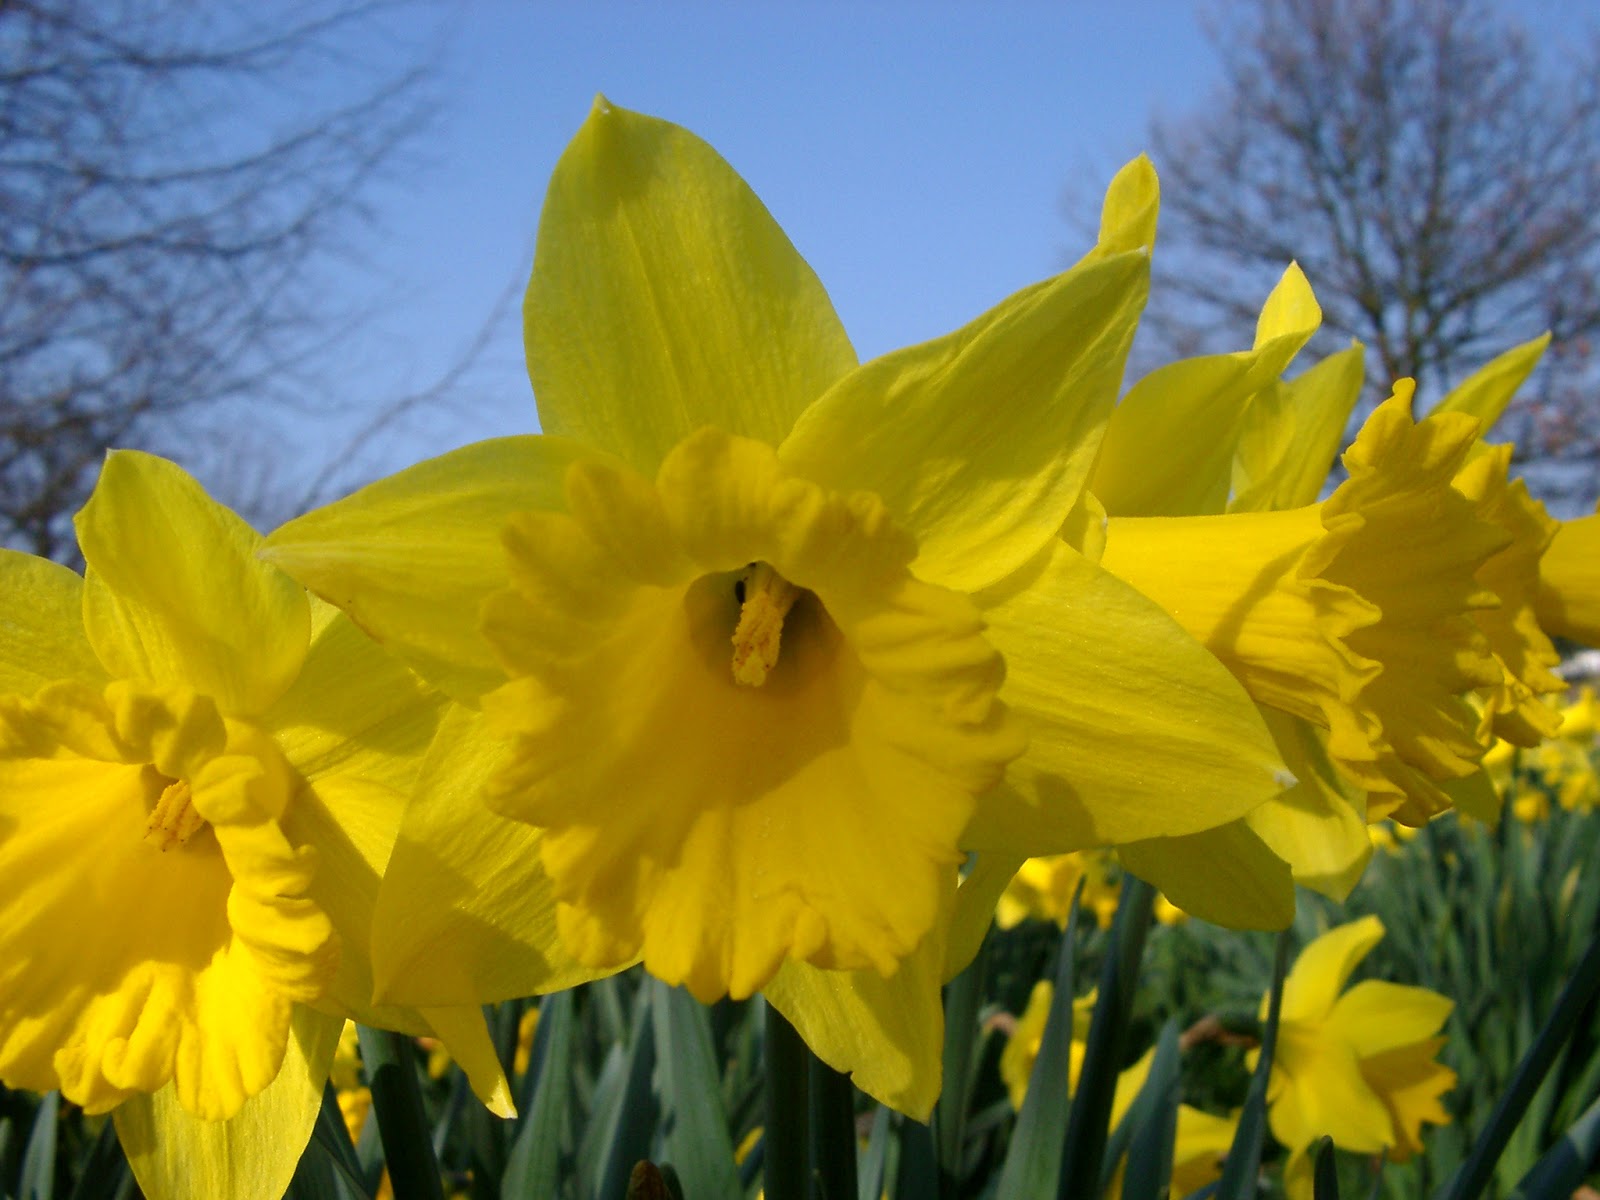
{"x":764,"y":640}
{"x":200,"y":774}
{"x":1358,"y":1065}
{"x":1569,"y":581}
{"x":1203,"y":1138}
{"x":1044,"y":887}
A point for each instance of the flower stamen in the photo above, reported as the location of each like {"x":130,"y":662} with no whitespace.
{"x":173,"y":820}
{"x":765,"y":598}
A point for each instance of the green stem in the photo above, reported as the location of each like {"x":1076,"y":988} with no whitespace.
{"x":390,"y":1062}
{"x":833,"y":1131}
{"x":785,"y":1170}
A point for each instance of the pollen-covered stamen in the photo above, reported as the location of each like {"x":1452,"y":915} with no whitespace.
{"x":173,"y":820}
{"x":765,"y":598}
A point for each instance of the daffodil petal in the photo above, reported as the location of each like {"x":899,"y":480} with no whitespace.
{"x":1569,"y":581}
{"x":175,"y":1155}
{"x":980,"y":442}
{"x":1324,"y":1094}
{"x":1138,"y":690}
{"x":665,"y":298}
{"x":1320,"y":972}
{"x":1226,"y":875}
{"x":175,"y":593}
{"x":465,"y":914}
{"x":1376,"y":1017}
{"x":1168,"y":449}
{"x":355,"y":710}
{"x":466,"y":1035}
{"x":1128,"y":215}
{"x":41,"y":626}
{"x":1291,"y":432}
{"x":1485,"y":393}
{"x":412,"y":557}
{"x":887,"y":1033}
{"x":980,"y":891}
{"x":1318,"y":826}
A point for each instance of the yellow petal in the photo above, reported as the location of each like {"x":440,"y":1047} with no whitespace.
{"x":1513,"y":708}
{"x":1319,"y":826}
{"x":412,"y":557}
{"x":41,"y":626}
{"x":176,"y":1156}
{"x":887,"y":1033}
{"x":465,"y":914}
{"x":1317,"y":1089}
{"x":354,"y":710}
{"x":1292,"y":430}
{"x":717,"y":822}
{"x":1168,"y":450}
{"x":1134,"y":730}
{"x":465,"y":1035}
{"x":1377,"y":1017}
{"x":665,"y":298}
{"x":189,"y":948}
{"x":175,"y":593}
{"x":1410,"y":1084}
{"x":1320,"y":972}
{"x":1485,"y":393}
{"x":1226,"y":875}
{"x":1569,"y":582}
{"x":975,"y":903}
{"x":981,"y":441}
{"x":1128,"y":216}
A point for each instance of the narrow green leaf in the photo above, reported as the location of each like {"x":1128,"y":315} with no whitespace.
{"x":833,"y":1131}
{"x":38,"y":1181}
{"x":1033,"y":1160}
{"x":917,"y":1177}
{"x":1153,"y":1119}
{"x":105,"y":1171}
{"x":331,"y":1133}
{"x":698,"y":1144}
{"x":1108,"y":1030}
{"x":534,"y":1165}
{"x":875,"y":1161}
{"x":962,"y":997}
{"x":1581,"y":988}
{"x":625,"y":1110}
{"x":1325,"y":1172}
{"x":391,"y":1063}
{"x":1239,"y":1172}
{"x":787,"y":1139}
{"x":1560,"y":1172}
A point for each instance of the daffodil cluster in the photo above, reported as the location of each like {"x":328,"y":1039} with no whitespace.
{"x":759,"y":665}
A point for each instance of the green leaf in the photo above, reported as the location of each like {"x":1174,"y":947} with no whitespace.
{"x":1108,"y":1031}
{"x":786,"y":1141}
{"x":833,"y":1130}
{"x":625,"y":1111}
{"x":917,"y":1177}
{"x":38,"y":1181}
{"x":875,"y":1161}
{"x":1325,"y":1172}
{"x":390,"y":1061}
{"x":1581,"y":988}
{"x":963,"y":1045}
{"x":1153,"y":1119}
{"x":105,"y":1171}
{"x":535,"y":1161}
{"x":1558,"y":1174}
{"x":1033,"y":1160}
{"x":698,"y":1144}
{"x":1239,"y":1172}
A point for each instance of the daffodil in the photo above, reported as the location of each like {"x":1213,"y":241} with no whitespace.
{"x":1202,"y":1139}
{"x":1355,"y":1065}
{"x":764,"y":640}
{"x":1044,"y":887}
{"x":200,"y":781}
{"x":1569,"y":581}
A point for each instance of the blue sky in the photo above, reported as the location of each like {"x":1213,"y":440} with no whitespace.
{"x":916,"y":153}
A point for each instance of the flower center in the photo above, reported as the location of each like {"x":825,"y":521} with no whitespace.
{"x":765,"y":598}
{"x":173,"y":820}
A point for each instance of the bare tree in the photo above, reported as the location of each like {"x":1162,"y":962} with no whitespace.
{"x":160,"y":247}
{"x":1437,"y":181}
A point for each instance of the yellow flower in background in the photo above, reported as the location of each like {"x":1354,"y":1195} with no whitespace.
{"x":200,"y":774}
{"x":1355,"y":1065}
{"x":1044,"y":887}
{"x":1203,"y":1138}
{"x":1563,"y":764}
{"x":765,"y":640}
